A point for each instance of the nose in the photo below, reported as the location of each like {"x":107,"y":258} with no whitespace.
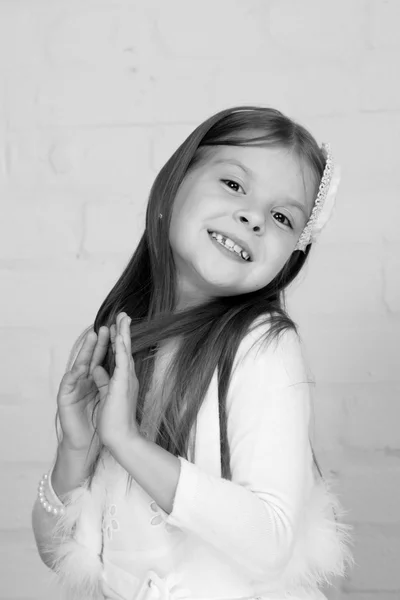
{"x":252,"y":220}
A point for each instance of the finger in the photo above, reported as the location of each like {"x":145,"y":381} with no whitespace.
{"x":121,"y":356}
{"x":127,"y":335}
{"x":85,"y":353}
{"x":113,"y":334}
{"x":70,"y":378}
{"x":117,"y":329}
{"x":102,"y":380}
{"x":119,"y":318}
{"x":100,"y":350}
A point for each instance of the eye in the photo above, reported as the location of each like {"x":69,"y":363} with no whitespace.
{"x":232,"y":185}
{"x":284,"y":217}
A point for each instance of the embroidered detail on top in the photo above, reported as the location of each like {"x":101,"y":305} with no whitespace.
{"x":165,"y":588}
{"x":157,"y":520}
{"x":110,"y":522}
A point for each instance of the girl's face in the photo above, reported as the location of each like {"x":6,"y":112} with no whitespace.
{"x":258,"y":199}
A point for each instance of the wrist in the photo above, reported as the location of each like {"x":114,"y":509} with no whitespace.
{"x":126,"y":443}
{"x":65,"y":447}
{"x":71,"y":469}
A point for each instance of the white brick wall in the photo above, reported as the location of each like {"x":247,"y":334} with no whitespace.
{"x":94,"y":96}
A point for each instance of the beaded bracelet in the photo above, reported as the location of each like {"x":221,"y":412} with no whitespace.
{"x":44,"y":501}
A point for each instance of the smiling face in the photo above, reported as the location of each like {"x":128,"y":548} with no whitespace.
{"x":258,"y":198}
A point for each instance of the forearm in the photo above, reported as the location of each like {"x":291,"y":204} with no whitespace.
{"x":156,"y":470}
{"x":69,"y":472}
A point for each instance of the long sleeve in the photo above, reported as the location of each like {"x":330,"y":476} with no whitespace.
{"x":253,"y":518}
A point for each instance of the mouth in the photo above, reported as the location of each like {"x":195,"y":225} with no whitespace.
{"x":236,"y":247}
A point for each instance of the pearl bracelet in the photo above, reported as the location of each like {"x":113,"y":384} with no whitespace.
{"x":55,"y":510}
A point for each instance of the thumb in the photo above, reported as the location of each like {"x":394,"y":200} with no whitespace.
{"x":101,"y":379}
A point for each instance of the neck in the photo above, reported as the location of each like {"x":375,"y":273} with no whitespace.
{"x":189,"y":298}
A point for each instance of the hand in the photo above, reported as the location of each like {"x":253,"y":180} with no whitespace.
{"x":116,"y":414}
{"x":78,"y":391}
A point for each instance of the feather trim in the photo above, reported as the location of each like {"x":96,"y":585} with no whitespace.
{"x":77,"y":546}
{"x":79,"y":571}
{"x":320,"y":553}
{"x":322,"y":548}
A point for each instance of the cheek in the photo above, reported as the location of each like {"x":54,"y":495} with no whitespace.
{"x":184,"y":208}
{"x":181,"y":231}
{"x":189,"y":216}
{"x":275,"y":257}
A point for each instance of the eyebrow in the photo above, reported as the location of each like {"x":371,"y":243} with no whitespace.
{"x":248,"y":171}
{"x":234,"y":161}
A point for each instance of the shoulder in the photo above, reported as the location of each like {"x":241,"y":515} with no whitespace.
{"x":269,"y":390}
{"x":279,"y":360}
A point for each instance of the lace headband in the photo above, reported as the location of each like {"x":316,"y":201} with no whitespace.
{"x":324,"y":202}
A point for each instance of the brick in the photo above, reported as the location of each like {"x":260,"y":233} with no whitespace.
{"x":100,"y":161}
{"x":358,"y":217}
{"x":28,"y":432}
{"x":180,"y":94}
{"x":3,"y":121}
{"x":327,"y":415}
{"x":25,"y":358}
{"x":73,"y":97}
{"x":21,"y":483}
{"x":360,"y":275}
{"x":165,"y":140}
{"x":115,"y":36}
{"x":351,"y":348}
{"x":363,"y":163}
{"x":391,"y":270}
{"x":379,"y":85}
{"x":375,"y":406}
{"x":310,"y":29}
{"x":383,"y":24}
{"x":115,"y":226}
{"x":294,"y":89}
{"x":376,"y":551}
{"x":367,"y":487}
{"x":86,"y":98}
{"x":27,"y":161}
{"x":20,"y":30}
{"x":35,"y":229}
{"x":59,"y":291}
{"x":230,"y":22}
{"x":67,"y":199}
{"x":21,"y":87}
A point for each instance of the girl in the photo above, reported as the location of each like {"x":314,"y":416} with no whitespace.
{"x":185,"y":468}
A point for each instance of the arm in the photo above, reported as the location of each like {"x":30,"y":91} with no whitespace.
{"x":253,"y":518}
{"x":70,"y":471}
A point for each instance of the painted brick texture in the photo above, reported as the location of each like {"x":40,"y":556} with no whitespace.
{"x":94,"y":97}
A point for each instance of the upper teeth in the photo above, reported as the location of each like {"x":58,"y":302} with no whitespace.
{"x":230,"y":245}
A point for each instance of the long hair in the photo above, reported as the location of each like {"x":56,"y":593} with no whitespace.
{"x":209,"y":334}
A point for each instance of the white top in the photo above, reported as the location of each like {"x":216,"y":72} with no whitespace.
{"x":268,"y":532}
